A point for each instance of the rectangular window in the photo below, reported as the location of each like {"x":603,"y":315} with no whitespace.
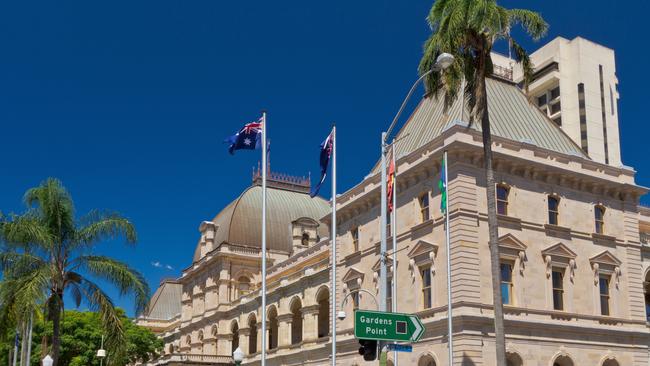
{"x":506,"y":283}
{"x":425,"y":272}
{"x":424,"y":207}
{"x":584,"y":143}
{"x":558,"y":289}
{"x":502,"y":199}
{"x":553,"y":210}
{"x":555,"y":108}
{"x":555,"y":92}
{"x":603,"y":286}
{"x":355,"y":239}
{"x":355,"y":299}
{"x":599,"y":219}
{"x":603,"y":114}
{"x":541,"y":100}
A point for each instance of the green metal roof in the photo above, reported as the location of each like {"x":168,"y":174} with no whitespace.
{"x":512,"y":117}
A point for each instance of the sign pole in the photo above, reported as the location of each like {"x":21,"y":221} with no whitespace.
{"x":333,"y":246}
{"x":393,"y":227}
{"x":263,"y":357}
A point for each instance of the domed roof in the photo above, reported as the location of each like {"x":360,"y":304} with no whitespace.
{"x":240,"y":222}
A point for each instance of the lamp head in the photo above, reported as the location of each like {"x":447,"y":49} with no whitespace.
{"x":48,"y":361}
{"x":341,"y":315}
{"x":101,"y":353}
{"x":238,"y":355}
{"x":444,"y":60}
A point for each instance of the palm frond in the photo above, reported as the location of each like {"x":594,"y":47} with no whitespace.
{"x":100,"y":302}
{"x":26,"y":229}
{"x":126,"y":279}
{"x":98,"y":226}
{"x":531,"y":21}
{"x":522,"y":57}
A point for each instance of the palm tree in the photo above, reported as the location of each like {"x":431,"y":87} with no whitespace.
{"x":468,"y":29}
{"x":49,"y":254}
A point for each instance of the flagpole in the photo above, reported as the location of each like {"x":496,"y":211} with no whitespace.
{"x":263,"y":357}
{"x":333,"y":246}
{"x":449,"y":310}
{"x":394,"y":234}
{"x":382,"y":250}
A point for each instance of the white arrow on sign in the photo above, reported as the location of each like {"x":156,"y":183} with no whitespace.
{"x":419,"y":329}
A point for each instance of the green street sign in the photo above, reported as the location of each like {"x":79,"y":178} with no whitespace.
{"x":382,"y":326}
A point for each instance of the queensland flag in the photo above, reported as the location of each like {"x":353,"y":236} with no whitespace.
{"x":248,"y":138}
{"x":325,"y":155}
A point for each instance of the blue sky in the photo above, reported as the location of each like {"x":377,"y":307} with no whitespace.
{"x":128,"y":102}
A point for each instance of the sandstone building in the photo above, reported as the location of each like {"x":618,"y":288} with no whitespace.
{"x":573,"y":244}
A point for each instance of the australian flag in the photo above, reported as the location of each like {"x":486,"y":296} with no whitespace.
{"x":325,"y":155}
{"x":248,"y":138}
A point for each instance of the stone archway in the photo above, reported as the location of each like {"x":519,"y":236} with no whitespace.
{"x":426,"y":360}
{"x":323,"y":301}
{"x":296,"y":320}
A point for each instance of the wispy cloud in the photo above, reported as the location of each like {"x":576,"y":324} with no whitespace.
{"x":157,"y":264}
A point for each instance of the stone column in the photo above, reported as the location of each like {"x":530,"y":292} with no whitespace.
{"x":284,"y":330}
{"x":244,"y":337}
{"x":224,"y":344}
{"x":310,"y":323}
{"x":224,"y":284}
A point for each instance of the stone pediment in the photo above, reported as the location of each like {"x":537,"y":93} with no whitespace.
{"x":422,"y":247}
{"x":305,"y":221}
{"x":353,"y":274}
{"x":559,"y":250}
{"x":509,"y":241}
{"x":605,"y":258}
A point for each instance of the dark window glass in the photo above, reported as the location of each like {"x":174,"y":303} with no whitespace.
{"x":553,"y":210}
{"x":426,"y":287}
{"x":506,"y":283}
{"x":555,"y":92}
{"x":558,"y":290}
{"x":541,"y":100}
{"x":355,"y":239}
{"x":603,"y":285}
{"x":558,"y":121}
{"x":424,"y":207}
{"x":555,"y":108}
{"x":502,"y":199}
{"x":599,"y":218}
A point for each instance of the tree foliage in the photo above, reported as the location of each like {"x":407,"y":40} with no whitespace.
{"x":81,"y":338}
{"x":468,"y":29}
{"x":48,"y":253}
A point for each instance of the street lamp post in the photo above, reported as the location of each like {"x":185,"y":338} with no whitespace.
{"x":101,"y":352}
{"x":341,"y":314}
{"x":443,"y":61}
{"x":238,"y":356}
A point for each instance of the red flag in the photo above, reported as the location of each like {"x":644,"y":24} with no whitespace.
{"x":391,"y":181}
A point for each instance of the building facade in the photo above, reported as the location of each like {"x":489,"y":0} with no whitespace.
{"x":573,"y":243}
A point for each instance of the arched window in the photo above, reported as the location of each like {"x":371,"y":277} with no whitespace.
{"x":599,"y":219}
{"x":503,"y":191}
{"x":273,"y":328}
{"x":426,"y":360}
{"x":188,"y":340}
{"x":553,"y":210}
{"x":423,"y":200}
{"x":243,"y":286}
{"x":200,"y":336}
{"x":305,"y":239}
{"x":214,"y":330}
{"x":610,"y":363}
{"x":234,"y":329}
{"x":323,"y":299}
{"x":296,"y":321}
{"x":563,"y":361}
{"x":513,"y":359}
{"x":252,"y":339}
